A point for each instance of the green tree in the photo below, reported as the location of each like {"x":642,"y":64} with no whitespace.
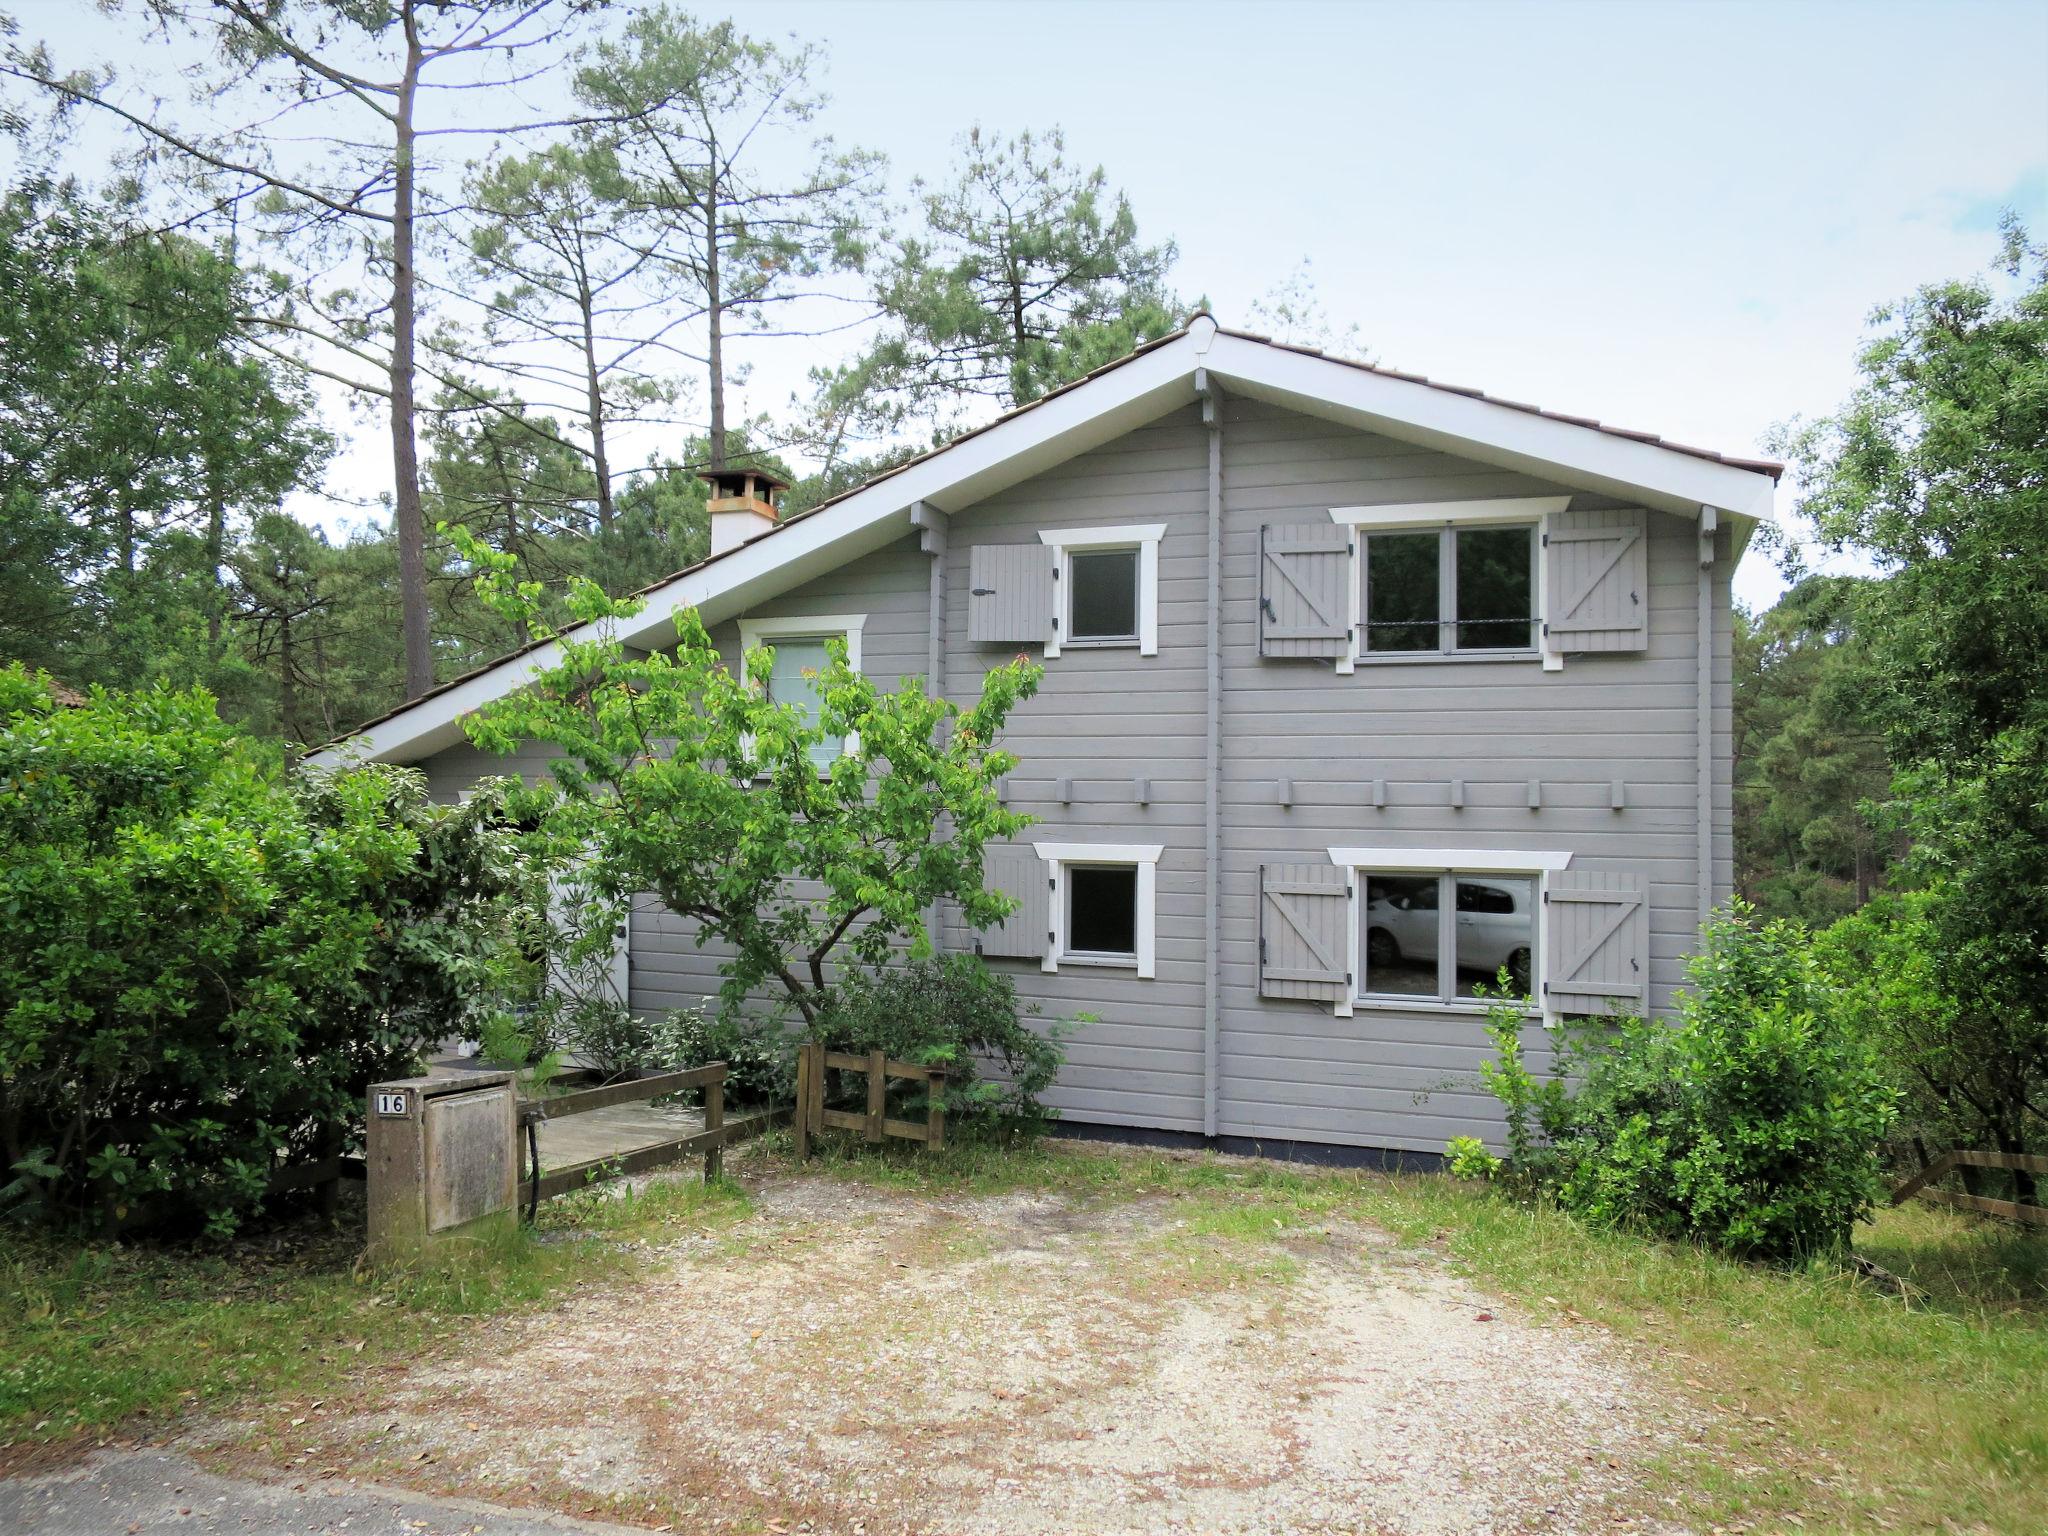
{"x":116,"y":503}
{"x":571,"y":256}
{"x":339,"y":126}
{"x":203,"y":963}
{"x":505,"y":475}
{"x":1028,"y":272}
{"x":686,"y":779}
{"x":1936,"y":470}
{"x":1807,"y":756}
{"x":698,"y":108}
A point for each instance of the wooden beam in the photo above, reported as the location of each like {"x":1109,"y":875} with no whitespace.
{"x":626,"y":1092}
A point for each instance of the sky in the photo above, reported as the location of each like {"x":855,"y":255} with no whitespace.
{"x":1674,"y":217}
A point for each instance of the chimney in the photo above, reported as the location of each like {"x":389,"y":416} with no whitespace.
{"x":742,"y":504}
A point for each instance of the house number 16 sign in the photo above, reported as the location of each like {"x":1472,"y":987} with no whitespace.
{"x":393,"y":1105}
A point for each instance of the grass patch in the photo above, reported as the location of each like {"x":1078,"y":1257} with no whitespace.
{"x":96,"y":1336}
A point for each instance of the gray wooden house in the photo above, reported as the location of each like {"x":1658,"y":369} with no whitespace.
{"x":1358,"y":688}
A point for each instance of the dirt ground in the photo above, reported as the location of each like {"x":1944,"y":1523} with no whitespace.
{"x":863,"y":1361}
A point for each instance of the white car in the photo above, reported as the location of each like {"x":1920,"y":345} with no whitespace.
{"x":1495,"y":920}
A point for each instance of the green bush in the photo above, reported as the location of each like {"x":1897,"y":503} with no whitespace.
{"x":759,"y":1053}
{"x":204,"y":963}
{"x":1753,"y":1123}
{"x":950,"y":1011}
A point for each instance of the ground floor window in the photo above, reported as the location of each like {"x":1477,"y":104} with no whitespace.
{"x":1103,"y":896}
{"x":1442,"y":935}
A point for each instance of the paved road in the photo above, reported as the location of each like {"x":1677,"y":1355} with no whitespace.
{"x":118,"y":1492}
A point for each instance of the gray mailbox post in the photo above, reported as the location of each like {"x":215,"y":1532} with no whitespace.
{"x":442,"y":1155}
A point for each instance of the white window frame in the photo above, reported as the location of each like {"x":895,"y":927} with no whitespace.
{"x":1145,"y":858}
{"x":823,"y":626}
{"x":1418,"y":516}
{"x":1144,"y":538}
{"x":1437,"y":861}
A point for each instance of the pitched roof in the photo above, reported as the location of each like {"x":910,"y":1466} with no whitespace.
{"x":1152,"y":379}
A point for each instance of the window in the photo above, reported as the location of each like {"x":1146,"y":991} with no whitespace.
{"x":1102,"y":910}
{"x":1102,"y":904}
{"x":1106,"y":586}
{"x":1102,"y":602}
{"x":1442,"y":936}
{"x":1432,"y":926}
{"x":795,"y":679}
{"x":800,"y":659}
{"x":1450,"y":590}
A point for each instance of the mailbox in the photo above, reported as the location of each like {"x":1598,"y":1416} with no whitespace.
{"x":443,"y":1159}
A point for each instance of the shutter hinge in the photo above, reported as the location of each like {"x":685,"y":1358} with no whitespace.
{"x":1546,"y":898}
{"x":1262,"y":951}
{"x":1267,"y":604}
{"x":1546,"y":540}
{"x":981,"y":592}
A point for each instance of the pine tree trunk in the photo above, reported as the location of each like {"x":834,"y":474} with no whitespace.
{"x":714,"y":312}
{"x":600,"y":459}
{"x":216,"y":551}
{"x":407,"y":512}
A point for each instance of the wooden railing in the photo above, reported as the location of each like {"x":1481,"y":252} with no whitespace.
{"x":559,"y":1181}
{"x":1921,"y":1184}
{"x":813,"y":1118}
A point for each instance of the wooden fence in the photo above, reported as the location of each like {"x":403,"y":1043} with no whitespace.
{"x":813,"y":1118}
{"x":559,"y":1181}
{"x":1921,"y":1184}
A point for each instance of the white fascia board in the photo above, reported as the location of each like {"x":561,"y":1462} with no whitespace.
{"x":1488,"y":431}
{"x":1491,"y":861}
{"x":1009,"y":451}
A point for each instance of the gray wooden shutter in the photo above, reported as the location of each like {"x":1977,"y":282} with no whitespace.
{"x":1304,"y":937}
{"x":1597,"y":580}
{"x":1305,"y":589}
{"x":1597,"y":954}
{"x":1021,"y":873}
{"x":1010,"y":594}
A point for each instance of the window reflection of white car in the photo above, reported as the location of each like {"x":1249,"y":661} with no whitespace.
{"x":1494,"y":926}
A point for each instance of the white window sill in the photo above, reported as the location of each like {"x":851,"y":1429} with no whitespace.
{"x":1099,"y":962}
{"x":1107,"y":643}
{"x":1427,"y":658}
{"x":1463,"y":1007}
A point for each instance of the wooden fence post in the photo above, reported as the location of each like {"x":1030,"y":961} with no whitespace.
{"x":714,"y":1121}
{"x":804,"y":1091}
{"x":935,"y":1091}
{"x":878,"y":1092}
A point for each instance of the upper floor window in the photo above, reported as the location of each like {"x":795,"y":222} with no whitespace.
{"x":1105,"y":586}
{"x":796,"y":674}
{"x":1102,"y":597}
{"x":1449,"y":590}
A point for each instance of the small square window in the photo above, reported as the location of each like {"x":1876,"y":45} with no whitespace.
{"x":1104,"y":602}
{"x":1102,"y":910}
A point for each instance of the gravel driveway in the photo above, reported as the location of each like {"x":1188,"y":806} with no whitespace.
{"x":864,"y":1361}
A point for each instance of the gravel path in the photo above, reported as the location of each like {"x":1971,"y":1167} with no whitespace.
{"x":858,"y":1361}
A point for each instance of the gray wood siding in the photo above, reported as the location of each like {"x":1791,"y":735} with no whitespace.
{"x":1399,"y":733}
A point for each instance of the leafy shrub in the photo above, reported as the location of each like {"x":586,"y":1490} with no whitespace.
{"x":1753,"y":1123}
{"x":950,"y":1011}
{"x":1469,"y":1158}
{"x":759,"y":1053}
{"x":203,"y":964}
